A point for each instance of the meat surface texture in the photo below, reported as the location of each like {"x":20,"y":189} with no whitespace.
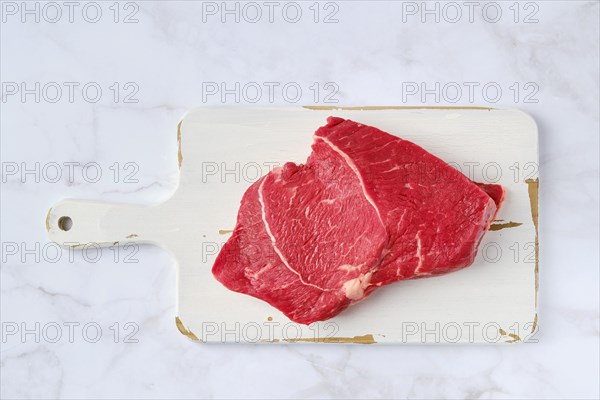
{"x":365,"y":210}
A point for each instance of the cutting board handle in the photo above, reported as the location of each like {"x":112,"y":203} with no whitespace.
{"x":74,"y":222}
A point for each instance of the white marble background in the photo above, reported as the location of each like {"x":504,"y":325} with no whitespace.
{"x":168,"y":53}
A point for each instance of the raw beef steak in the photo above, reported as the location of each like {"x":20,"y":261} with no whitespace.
{"x":367,"y":209}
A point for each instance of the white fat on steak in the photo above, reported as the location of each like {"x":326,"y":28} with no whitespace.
{"x":354,"y":289}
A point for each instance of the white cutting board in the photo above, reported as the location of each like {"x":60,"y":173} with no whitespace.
{"x":223,"y":149}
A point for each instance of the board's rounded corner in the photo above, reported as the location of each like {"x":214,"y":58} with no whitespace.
{"x":529,"y":119}
{"x":184,"y":116}
{"x":535,"y":324}
{"x":185,"y":331}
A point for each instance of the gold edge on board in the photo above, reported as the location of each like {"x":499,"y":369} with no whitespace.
{"x":179,"y":154}
{"x":48,"y":220}
{"x":511,"y":224}
{"x":184,"y":330}
{"x":533,"y":187}
{"x":534,"y":326}
{"x":363,"y":339}
{"x":511,"y":337}
{"x":358,"y":108}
